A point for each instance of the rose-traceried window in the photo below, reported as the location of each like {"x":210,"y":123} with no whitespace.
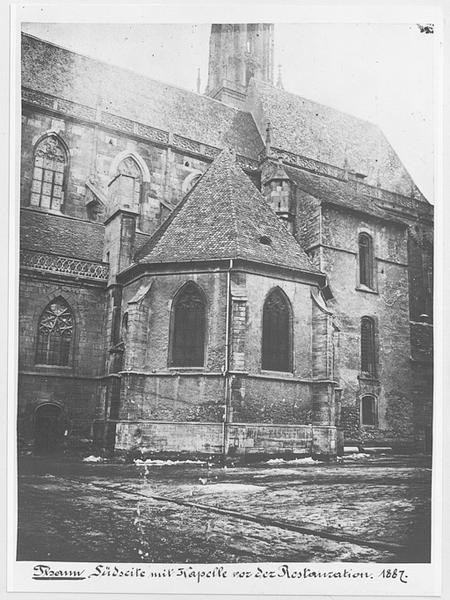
{"x":55,"y":334}
{"x":276,"y":335}
{"x":50,"y":163}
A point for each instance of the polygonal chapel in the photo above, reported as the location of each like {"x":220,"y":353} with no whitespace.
{"x":240,"y":272}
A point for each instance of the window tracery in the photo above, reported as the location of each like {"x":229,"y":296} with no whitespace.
{"x":50,"y":162}
{"x":55,"y":333}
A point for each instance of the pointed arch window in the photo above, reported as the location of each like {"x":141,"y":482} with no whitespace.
{"x":131,"y":182}
{"x":49,"y":169}
{"x":276,"y":334}
{"x":190,"y":181}
{"x":188,"y":327}
{"x":55,"y":334}
{"x":368,"y":364}
{"x":368,"y":411}
{"x":365,"y":245}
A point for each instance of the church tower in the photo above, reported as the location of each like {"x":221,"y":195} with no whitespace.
{"x":238,"y":52}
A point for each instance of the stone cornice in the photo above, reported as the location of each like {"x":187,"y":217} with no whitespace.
{"x":131,"y":128}
{"x":97,"y":117}
{"x":220,"y":265}
{"x":390,"y":199}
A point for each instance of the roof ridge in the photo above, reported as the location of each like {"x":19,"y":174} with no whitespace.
{"x":158,"y":234}
{"x":225,"y":216}
{"x":137,"y":73}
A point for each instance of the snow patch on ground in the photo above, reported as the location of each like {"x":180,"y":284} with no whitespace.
{"x":165,"y":463}
{"x":93,"y":459}
{"x":278,"y":471}
{"x":307,"y":460}
{"x":355,"y":456}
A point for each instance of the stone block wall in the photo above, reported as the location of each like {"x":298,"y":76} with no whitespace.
{"x":93,"y":155}
{"x":299,"y":296}
{"x":420,"y":260}
{"x":175,"y":397}
{"x":273,"y":399}
{"x":203,"y":438}
{"x":388,"y":305}
{"x":242,"y":439}
{"x":75,"y":387}
{"x":87,"y":304}
{"x":153,"y":314}
{"x":259,"y":438}
{"x":76,"y":396}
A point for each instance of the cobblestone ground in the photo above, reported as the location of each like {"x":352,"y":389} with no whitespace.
{"x":75,"y":511}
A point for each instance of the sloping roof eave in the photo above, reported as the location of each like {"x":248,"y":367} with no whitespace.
{"x":147,"y":265}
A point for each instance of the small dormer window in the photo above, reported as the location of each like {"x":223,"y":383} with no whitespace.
{"x":265,"y":240}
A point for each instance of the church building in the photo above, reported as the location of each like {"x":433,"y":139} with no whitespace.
{"x":240,"y":272}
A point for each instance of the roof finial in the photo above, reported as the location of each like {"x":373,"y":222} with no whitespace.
{"x":198,"y":80}
{"x":268,"y":137}
{"x":279,"y":79}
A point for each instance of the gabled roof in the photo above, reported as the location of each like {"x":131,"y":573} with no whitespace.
{"x":49,"y":68}
{"x":338,"y":193}
{"x":224,"y":216}
{"x":328,"y":135}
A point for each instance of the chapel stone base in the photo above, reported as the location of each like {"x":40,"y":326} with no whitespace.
{"x":234,"y":439}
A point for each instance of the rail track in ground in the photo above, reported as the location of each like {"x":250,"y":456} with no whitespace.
{"x":302,"y":527}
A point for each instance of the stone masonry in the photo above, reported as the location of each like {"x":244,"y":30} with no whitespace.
{"x":163,"y":188}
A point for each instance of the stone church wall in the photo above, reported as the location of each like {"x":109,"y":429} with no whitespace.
{"x":388,"y":306}
{"x":160,"y":402}
{"x":174,"y":397}
{"x":151,"y":389}
{"x":75,"y":387}
{"x":92,"y":152}
{"x":151,"y":351}
{"x":77,"y":397}
{"x":299,"y":297}
{"x":420,"y":260}
{"x":274,"y":399}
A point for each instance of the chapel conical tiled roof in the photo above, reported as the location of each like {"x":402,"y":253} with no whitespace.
{"x":225,"y":216}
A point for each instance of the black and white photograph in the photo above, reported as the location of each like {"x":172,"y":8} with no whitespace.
{"x":225,"y":299}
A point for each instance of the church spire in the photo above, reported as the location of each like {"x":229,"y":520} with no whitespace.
{"x":238,"y":52}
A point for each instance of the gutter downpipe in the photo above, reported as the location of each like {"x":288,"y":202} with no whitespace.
{"x":226,"y":368}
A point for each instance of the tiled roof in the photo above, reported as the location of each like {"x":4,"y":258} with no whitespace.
{"x":225,"y":216}
{"x":328,"y":135}
{"x":60,"y":72}
{"x":45,"y":232}
{"x":339,"y":193}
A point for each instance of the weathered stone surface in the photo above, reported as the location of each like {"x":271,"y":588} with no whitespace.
{"x":119,"y":366}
